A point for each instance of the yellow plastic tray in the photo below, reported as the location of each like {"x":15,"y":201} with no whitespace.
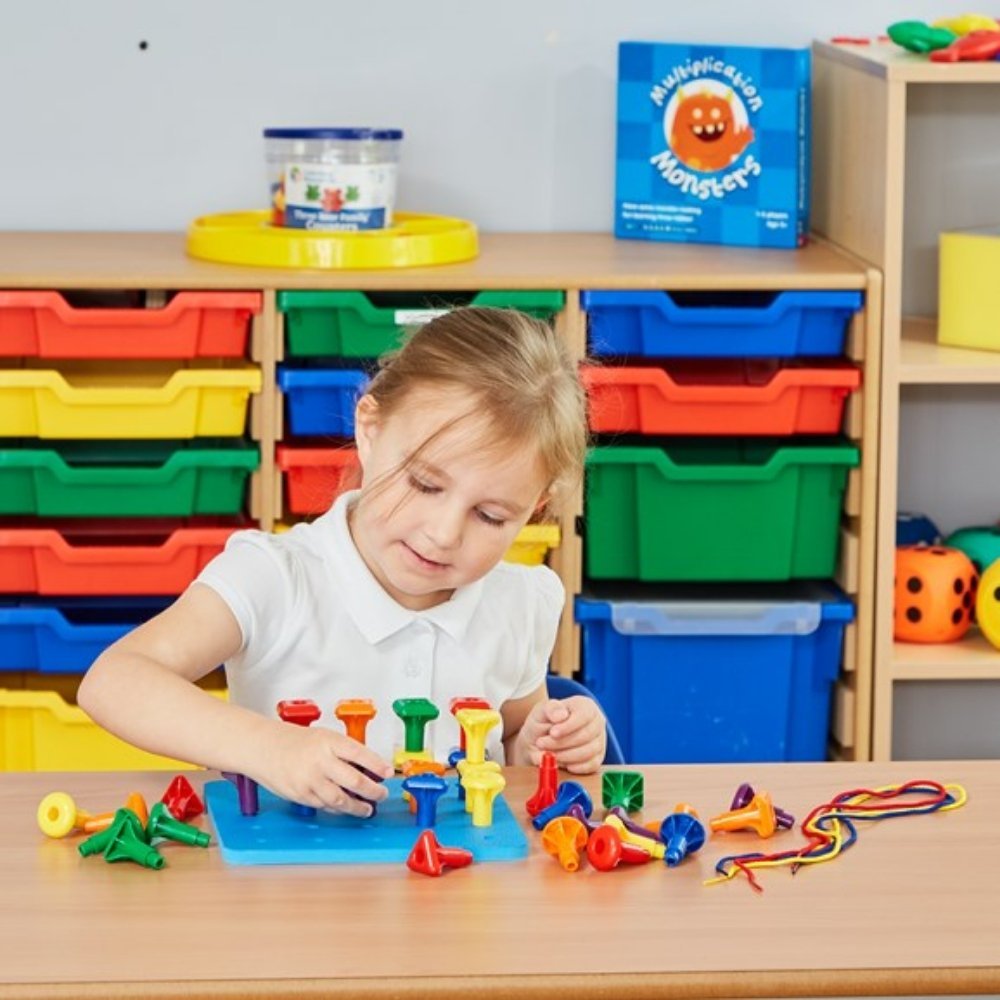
{"x":969,"y":299}
{"x":143,"y":400}
{"x":413,"y":241}
{"x":40,"y":732}
{"x":532,"y":544}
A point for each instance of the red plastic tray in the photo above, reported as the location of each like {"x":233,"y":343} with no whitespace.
{"x":315,"y":477}
{"x":106,"y":557}
{"x":190,"y":325}
{"x":719,"y":397}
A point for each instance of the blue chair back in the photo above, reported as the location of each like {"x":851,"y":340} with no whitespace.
{"x":565,"y":687}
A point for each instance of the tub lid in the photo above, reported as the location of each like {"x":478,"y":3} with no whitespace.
{"x":762,"y":609}
{"x":333,"y":133}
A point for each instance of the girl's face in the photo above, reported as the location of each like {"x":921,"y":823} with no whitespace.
{"x":446,"y":518}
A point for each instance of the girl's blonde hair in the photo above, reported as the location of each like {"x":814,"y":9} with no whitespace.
{"x":517,"y":371}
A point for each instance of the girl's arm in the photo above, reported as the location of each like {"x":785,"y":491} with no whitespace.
{"x":142,"y":689}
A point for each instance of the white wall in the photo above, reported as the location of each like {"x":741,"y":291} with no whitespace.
{"x":508,"y":107}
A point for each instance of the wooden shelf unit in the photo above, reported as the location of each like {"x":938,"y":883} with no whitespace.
{"x":864,"y":97}
{"x":570,"y":262}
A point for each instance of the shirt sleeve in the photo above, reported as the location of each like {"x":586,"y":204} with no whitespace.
{"x":548,"y":596}
{"x":256,"y":577}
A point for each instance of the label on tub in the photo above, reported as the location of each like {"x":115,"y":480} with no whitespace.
{"x":339,"y":196}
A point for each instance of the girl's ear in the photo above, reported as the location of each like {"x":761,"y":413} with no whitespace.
{"x":366,"y":426}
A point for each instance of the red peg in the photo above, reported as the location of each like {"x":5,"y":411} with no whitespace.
{"x":548,"y":782}
{"x":182,"y":800}
{"x":428,"y":857}
{"x":607,"y":850}
{"x":298,"y":711}
{"x":465,"y":702}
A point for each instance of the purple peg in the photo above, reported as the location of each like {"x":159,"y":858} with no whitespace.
{"x":630,"y":824}
{"x":246,"y":789}
{"x":742,"y":797}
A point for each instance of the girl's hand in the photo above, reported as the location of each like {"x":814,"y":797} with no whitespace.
{"x":573,"y":729}
{"x":319,"y":767}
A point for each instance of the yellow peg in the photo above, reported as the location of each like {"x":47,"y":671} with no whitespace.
{"x":476,"y":722}
{"x":482,"y":786}
{"x":464,"y":767}
{"x":58,"y":815}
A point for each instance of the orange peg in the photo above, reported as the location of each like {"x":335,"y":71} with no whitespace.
{"x":101,"y":821}
{"x":758,"y":816}
{"x":565,"y":837}
{"x":415,"y":766}
{"x":355,"y":713}
{"x":137,"y":804}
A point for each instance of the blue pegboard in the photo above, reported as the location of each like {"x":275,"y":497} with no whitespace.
{"x":277,"y":836}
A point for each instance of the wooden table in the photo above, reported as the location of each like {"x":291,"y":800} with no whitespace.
{"x":912,"y":908}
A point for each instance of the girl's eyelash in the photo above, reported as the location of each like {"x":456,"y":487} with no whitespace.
{"x":493,"y":522}
{"x":421,"y":487}
{"x":424,"y":487}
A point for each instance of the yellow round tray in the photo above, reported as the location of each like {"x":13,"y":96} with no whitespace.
{"x":249,"y":238}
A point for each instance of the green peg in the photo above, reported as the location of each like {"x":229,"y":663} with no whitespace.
{"x":162,"y":824}
{"x":129,"y":846}
{"x":415,"y":713}
{"x":622,"y":788}
{"x":99,"y":842}
{"x":918,"y":36}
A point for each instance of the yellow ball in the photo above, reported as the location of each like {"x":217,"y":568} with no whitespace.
{"x":988,"y":603}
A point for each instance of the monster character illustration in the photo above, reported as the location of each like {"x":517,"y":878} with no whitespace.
{"x":704,"y":134}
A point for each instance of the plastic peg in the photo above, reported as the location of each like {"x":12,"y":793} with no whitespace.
{"x":246,"y":790}
{"x":415,"y":713}
{"x":126,"y":844}
{"x":918,"y":36}
{"x":607,"y":850}
{"x":58,"y":815}
{"x":464,"y":768}
{"x":299,"y":712}
{"x":100,"y":841}
{"x":757,"y":816}
{"x":182,"y":800}
{"x":743,"y":796}
{"x":567,"y":794}
{"x":426,"y":789}
{"x":137,"y":804}
{"x":654,"y":845}
{"x":651,"y":830}
{"x":355,"y":714}
{"x":548,"y":782}
{"x":622,"y":788}
{"x":482,"y":786}
{"x":682,"y":833}
{"x":163,"y":825}
{"x":564,"y":838}
{"x":476,"y":723}
{"x":456,"y":704}
{"x":412,"y":767}
{"x":576,"y":810}
{"x":428,"y":857}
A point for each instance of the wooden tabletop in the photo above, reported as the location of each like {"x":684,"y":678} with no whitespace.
{"x":913,"y":907}
{"x":506,"y":260}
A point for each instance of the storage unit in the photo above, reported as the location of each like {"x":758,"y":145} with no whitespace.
{"x":557,"y":263}
{"x":715,"y":510}
{"x":125,"y":478}
{"x":757,"y":324}
{"x":925,"y":133}
{"x":727,"y":675}
{"x":315,"y":477}
{"x":356,"y":324}
{"x":321,"y":400}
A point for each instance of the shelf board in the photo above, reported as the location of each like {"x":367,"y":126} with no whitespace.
{"x":888,"y":60}
{"x":922,"y":361}
{"x":971,"y":659}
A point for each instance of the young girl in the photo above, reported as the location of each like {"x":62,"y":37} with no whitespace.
{"x":471,"y":430}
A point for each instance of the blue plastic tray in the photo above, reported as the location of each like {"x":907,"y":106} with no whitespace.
{"x":66,"y":635}
{"x":707,"y":674}
{"x":321,"y":400}
{"x":653,"y":324}
{"x":277,"y":836}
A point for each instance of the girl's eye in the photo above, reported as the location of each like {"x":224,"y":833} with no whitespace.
{"x":493,"y":522}
{"x":421,"y":486}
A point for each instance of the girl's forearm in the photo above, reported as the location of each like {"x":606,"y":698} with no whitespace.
{"x":145,"y":704}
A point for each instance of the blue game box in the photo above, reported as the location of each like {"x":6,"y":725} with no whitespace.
{"x":712,"y":144}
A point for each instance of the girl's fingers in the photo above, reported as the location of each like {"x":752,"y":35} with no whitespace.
{"x":357,"y":753}
{"x":579,"y":715}
{"x":593,"y":729}
{"x":580,"y":753}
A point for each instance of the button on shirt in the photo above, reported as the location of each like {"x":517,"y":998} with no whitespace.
{"x":317,"y":624}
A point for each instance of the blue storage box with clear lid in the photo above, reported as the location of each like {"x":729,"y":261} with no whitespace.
{"x":707,"y":674}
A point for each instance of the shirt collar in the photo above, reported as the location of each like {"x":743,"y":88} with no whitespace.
{"x":376,"y":614}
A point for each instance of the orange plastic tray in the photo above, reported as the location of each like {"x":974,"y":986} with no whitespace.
{"x":315,"y":477}
{"x":719,"y":397}
{"x":111,"y":557}
{"x":190,"y":325}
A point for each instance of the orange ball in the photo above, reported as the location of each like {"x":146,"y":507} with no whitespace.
{"x":935,"y":594}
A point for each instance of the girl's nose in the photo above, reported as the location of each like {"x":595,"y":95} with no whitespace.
{"x":445,"y":528}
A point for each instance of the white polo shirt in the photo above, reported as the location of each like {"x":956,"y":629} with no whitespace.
{"x":316,"y":624}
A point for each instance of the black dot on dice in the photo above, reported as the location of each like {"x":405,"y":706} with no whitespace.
{"x":914,"y":585}
{"x":967,"y":600}
{"x":956,"y":616}
{"x":958,"y":586}
{"x":913,"y":614}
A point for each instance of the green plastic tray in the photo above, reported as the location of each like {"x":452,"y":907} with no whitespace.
{"x":125,"y":478}
{"x":351,"y":324}
{"x":715,"y":511}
